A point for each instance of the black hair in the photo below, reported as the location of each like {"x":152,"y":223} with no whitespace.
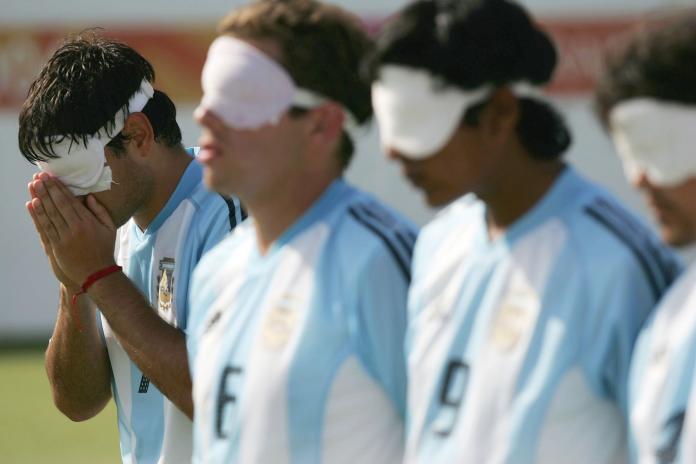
{"x":469,"y":43}
{"x":81,"y":89}
{"x":161,"y":112}
{"x":657,"y":62}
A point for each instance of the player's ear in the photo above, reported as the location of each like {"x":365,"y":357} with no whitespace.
{"x":326,"y":122}
{"x":500,"y":115}
{"x":139,"y":131}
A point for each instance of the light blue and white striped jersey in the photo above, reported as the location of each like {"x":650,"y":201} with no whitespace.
{"x":519,"y":348}
{"x":160,"y":261}
{"x":662,"y":378}
{"x":297,"y":354}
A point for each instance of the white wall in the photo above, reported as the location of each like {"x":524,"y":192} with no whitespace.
{"x":28,"y":288}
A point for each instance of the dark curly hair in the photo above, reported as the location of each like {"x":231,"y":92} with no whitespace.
{"x":658,"y":61}
{"x":469,"y":43}
{"x":81,"y":89}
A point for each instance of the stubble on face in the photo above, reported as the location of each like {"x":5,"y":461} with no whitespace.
{"x":131,"y":187}
{"x":455,"y":170}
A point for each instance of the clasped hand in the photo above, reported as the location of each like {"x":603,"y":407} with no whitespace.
{"x":77,"y":233}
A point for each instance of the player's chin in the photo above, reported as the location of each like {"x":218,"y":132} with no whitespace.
{"x":675,"y":234}
{"x":436,"y":198}
{"x":213,"y":181}
{"x":119,"y":216}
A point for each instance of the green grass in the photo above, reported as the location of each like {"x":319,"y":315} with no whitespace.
{"x":33,"y":431}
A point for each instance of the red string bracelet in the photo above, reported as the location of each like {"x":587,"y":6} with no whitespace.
{"x":89,"y":281}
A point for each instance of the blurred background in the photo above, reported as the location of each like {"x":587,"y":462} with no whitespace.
{"x":174,"y":36}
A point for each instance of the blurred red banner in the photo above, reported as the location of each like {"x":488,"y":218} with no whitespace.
{"x":581,"y":45}
{"x":178,"y":53}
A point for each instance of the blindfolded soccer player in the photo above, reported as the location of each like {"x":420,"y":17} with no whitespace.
{"x":530,"y":287}
{"x":297,"y":329}
{"x":111,"y":155}
{"x":647,"y":100}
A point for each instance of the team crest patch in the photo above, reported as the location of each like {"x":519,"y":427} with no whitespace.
{"x":165,"y":290}
{"x":280,"y":322}
{"x":514,"y":318}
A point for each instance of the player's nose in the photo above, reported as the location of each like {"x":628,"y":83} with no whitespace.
{"x":392,"y":153}
{"x":641,"y":180}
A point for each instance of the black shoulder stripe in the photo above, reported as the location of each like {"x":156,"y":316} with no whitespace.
{"x":630,"y":242}
{"x":405,"y":236}
{"x":236,"y":212}
{"x":403,"y":263}
{"x":406,"y":241}
{"x":389,"y":225}
{"x":627,"y":219}
{"x":667,"y":267}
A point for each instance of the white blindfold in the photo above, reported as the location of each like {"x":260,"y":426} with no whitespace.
{"x":247,"y":89}
{"x":83,"y":168}
{"x":655,"y":137}
{"x":418,"y":112}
